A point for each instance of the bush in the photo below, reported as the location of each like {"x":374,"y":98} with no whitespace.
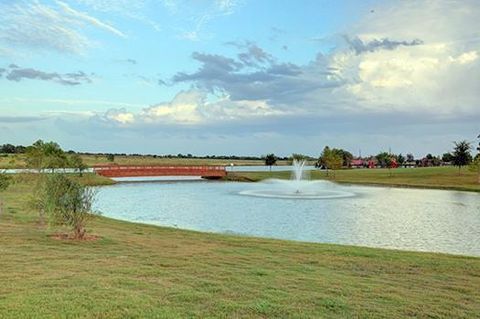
{"x":4,"y":183}
{"x":66,"y":202}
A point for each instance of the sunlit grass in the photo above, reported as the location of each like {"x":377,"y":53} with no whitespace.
{"x":141,"y":271}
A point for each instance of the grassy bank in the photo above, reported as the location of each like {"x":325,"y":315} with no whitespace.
{"x":90,"y":179}
{"x":429,"y":177}
{"x":18,"y":161}
{"x":140,"y":271}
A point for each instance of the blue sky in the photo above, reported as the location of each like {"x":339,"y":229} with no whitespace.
{"x":240,"y":76}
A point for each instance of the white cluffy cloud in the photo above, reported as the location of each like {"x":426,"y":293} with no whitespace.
{"x":438,"y":74}
{"x":190,"y":108}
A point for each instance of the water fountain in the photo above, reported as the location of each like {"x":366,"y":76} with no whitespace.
{"x":298,"y":187}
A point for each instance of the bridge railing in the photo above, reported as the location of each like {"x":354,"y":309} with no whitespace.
{"x":120,"y":167}
{"x":159,"y":170}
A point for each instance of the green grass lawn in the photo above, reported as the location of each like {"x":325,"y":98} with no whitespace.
{"x":428,"y":177}
{"x":140,"y":271}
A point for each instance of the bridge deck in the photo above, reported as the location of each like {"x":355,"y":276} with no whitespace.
{"x":156,"y":170}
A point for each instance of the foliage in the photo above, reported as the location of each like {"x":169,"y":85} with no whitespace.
{"x":4,"y":181}
{"x":41,"y":155}
{"x":410,"y":157}
{"x":77,"y":163}
{"x":331,"y":159}
{"x":478,"y":148}
{"x":384,"y":159}
{"x":66,"y":202}
{"x":400,"y":159}
{"x":447,"y":157}
{"x":475,"y":167}
{"x":12,"y":149}
{"x":110,"y":157}
{"x":270,"y":160}
{"x":461,"y":154}
{"x":346,"y":156}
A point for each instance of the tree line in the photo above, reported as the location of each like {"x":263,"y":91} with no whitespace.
{"x":21,"y":149}
{"x":337,"y":158}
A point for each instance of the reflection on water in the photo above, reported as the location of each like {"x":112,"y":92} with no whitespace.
{"x":412,"y":219}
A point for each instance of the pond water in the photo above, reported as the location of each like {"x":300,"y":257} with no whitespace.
{"x":399,"y":218}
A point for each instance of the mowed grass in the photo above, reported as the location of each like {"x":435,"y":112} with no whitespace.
{"x":140,"y":271}
{"x":18,"y":161}
{"x":428,"y":177}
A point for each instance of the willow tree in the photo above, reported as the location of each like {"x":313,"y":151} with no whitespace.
{"x":66,"y":202}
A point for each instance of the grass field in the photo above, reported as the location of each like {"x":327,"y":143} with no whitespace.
{"x":428,"y":177}
{"x":18,"y":161}
{"x":140,"y":271}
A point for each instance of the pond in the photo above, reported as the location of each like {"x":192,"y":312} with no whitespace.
{"x":399,"y":218}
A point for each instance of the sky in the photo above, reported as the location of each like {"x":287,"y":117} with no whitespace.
{"x":240,"y":77}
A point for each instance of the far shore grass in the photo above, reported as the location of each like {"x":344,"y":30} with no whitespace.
{"x":18,"y":161}
{"x":141,"y":271}
{"x":427,"y":177}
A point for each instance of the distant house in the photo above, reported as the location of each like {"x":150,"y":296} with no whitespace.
{"x":372,"y":163}
{"x":357,"y":163}
{"x":410,"y":164}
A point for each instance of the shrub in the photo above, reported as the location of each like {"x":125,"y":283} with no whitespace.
{"x":4,"y":183}
{"x":66,"y":202}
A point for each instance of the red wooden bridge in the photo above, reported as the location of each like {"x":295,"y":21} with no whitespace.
{"x":158,"y":170}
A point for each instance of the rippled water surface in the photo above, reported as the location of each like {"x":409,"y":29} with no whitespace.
{"x":411,"y":219}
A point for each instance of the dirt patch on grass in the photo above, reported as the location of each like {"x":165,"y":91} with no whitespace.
{"x":64,"y":236}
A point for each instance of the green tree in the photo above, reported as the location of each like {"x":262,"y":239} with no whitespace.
{"x":41,"y":155}
{"x":346,"y":156}
{"x":7,"y":148}
{"x":270,"y":160}
{"x":447,"y":157}
{"x":77,"y":163}
{"x":475,"y":167}
{"x":332,"y":159}
{"x":384,"y":159}
{"x":4,"y":183}
{"x":110,"y":157}
{"x":461,"y":154}
{"x":400,"y":159}
{"x":478,"y":148}
{"x":66,"y":202}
